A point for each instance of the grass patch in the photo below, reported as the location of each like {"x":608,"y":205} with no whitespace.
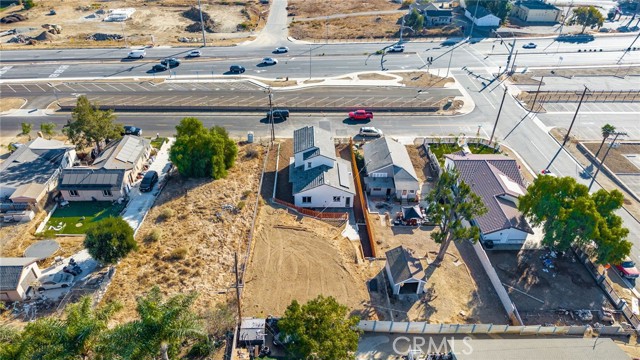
{"x":85,"y":213}
{"x":157,"y":142}
{"x":440,"y":150}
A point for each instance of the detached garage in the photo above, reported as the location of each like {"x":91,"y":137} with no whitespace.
{"x":405,"y":272}
{"x":16,"y":276}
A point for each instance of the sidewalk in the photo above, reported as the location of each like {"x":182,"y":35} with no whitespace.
{"x":140,"y":203}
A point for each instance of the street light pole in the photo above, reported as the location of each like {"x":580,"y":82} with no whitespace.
{"x":273,"y":132}
{"x":566,"y":137}
{"x":310,"y":61}
{"x":593,"y":179}
{"x":449,"y":65}
{"x":204,"y":39}
{"x":498,"y":117}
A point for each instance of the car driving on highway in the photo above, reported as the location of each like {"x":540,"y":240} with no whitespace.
{"x":627,"y":269}
{"x":281,"y":49}
{"x":370,"y":131}
{"x":194,"y":53}
{"x":170,"y":62}
{"x":236,"y":69}
{"x":269,"y":61}
{"x":396,"y":48}
{"x":529,"y":46}
{"x":159,"y":67}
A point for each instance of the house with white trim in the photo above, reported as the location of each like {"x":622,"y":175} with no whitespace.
{"x":389,"y":170}
{"x":16,"y":277}
{"x":319,"y":179}
{"x":496,"y":179}
{"x":405,"y":272}
{"x":481,"y":16}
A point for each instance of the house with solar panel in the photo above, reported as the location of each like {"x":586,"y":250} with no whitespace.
{"x":319,"y":178}
{"x":111,"y":174}
{"x":496,"y":179}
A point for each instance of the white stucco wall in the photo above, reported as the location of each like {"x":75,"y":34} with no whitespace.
{"x":509,"y":236}
{"x":315,"y":161}
{"x":322,"y":196}
{"x":88,"y":195}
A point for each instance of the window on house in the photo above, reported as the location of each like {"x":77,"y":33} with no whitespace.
{"x":336,"y":199}
{"x":107,"y":193}
{"x":309,"y":165}
{"x":411,"y":191}
{"x":377,"y":189}
{"x":73,"y":193}
{"x":306,"y":199}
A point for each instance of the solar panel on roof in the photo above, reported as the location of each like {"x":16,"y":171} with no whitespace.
{"x":129,"y":151}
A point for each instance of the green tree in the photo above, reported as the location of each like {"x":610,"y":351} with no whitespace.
{"x":453,"y":202}
{"x":587,"y":16}
{"x":110,"y":239}
{"x":26,"y":128}
{"x":89,"y":125}
{"x":415,"y":20}
{"x":199,"y":152}
{"x":320,"y":329}
{"x":161,"y":329}
{"x":28,"y":4}
{"x":48,"y":128}
{"x":607,"y":130}
{"x":72,"y":337}
{"x":570,"y":216}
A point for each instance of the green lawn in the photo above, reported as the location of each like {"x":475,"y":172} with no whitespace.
{"x":157,"y":142}
{"x":440,"y":150}
{"x":73,"y":214}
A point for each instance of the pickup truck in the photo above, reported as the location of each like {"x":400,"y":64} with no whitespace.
{"x":360,"y":115}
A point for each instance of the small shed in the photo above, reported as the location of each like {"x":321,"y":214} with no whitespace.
{"x":16,"y":277}
{"x":252,"y":332}
{"x":405,"y":272}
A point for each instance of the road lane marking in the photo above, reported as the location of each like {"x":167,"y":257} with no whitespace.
{"x":26,"y":88}
{"x":4,"y":69}
{"x":419,"y":57}
{"x":12,"y":89}
{"x":43,"y":90}
{"x":59,"y":71}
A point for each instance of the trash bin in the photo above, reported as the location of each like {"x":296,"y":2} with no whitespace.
{"x":250,"y":137}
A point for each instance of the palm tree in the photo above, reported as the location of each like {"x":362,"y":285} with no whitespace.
{"x":607,"y":130}
{"x":71,"y":338}
{"x":161,"y":328}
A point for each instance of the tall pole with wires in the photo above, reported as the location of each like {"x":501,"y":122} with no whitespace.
{"x":204,"y":39}
{"x":566,"y":137}
{"x":498,"y":117}
{"x":593,"y":179}
{"x":273,"y":131}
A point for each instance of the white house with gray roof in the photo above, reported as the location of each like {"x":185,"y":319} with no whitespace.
{"x":319,"y":178}
{"x":497,"y":180}
{"x":389,"y":170}
{"x":33,"y":170}
{"x":16,"y":276}
{"x":112,"y":173}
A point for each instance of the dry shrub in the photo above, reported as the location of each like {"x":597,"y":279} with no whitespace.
{"x":154,"y":235}
{"x":167,"y":213}
{"x":179,"y":254}
{"x":241,"y":205}
{"x":251,"y":152}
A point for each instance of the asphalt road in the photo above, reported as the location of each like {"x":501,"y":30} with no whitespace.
{"x":313,"y":60}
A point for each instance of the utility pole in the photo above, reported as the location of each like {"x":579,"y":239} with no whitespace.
{"x":326,"y":25}
{"x":504,"y":95}
{"x":401,"y":29}
{"x":566,"y":137}
{"x":506,"y":68}
{"x":310,"y":61}
{"x":536,"y":96}
{"x":513,"y":63}
{"x":273,"y":132}
{"x":593,"y":179}
{"x":238,"y":289}
{"x":126,"y":44}
{"x":204,"y":39}
{"x":449,"y":65}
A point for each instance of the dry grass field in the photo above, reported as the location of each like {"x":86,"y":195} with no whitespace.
{"x":353,"y":27}
{"x":158,"y":22}
{"x":315,"y":8}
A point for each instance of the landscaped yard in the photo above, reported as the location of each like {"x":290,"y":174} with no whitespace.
{"x":76,"y":217}
{"x":157,"y":142}
{"x":440,"y":150}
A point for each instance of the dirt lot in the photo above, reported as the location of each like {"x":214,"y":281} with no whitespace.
{"x":198,"y":242}
{"x":567,"y":285}
{"x":11,"y":103}
{"x":353,"y":27}
{"x":300,"y":258}
{"x":315,"y":8}
{"x":162,"y":20}
{"x":467,"y":299}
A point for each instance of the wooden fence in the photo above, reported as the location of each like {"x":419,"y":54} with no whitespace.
{"x":342,"y":216}
{"x":365,"y":211}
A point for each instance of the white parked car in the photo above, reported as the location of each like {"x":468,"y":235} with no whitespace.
{"x":54,"y":281}
{"x":269,"y":61}
{"x":370,"y":131}
{"x":281,"y":49}
{"x":194,"y":53}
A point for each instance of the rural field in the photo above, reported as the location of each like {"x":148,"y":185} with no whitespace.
{"x":154,"y":22}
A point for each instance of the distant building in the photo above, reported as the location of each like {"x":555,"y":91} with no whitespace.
{"x":436,"y":16}
{"x":318,"y":177}
{"x":536,"y":11}
{"x":112,"y":173}
{"x":481,"y":16}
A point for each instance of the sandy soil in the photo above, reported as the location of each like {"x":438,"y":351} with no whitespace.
{"x":209,"y":235}
{"x":162,"y":20}
{"x":315,"y":8}
{"x":616,"y":161}
{"x":10,"y":103}
{"x":423,"y":79}
{"x":374,"y":76}
{"x":353,"y":27}
{"x":300,"y":258}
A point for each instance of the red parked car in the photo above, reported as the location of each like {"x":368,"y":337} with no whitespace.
{"x":361,"y":115}
{"x":628,"y":269}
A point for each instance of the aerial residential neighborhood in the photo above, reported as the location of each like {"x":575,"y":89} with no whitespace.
{"x":319,"y":179}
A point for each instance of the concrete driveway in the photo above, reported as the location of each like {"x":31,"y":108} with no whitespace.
{"x":140,"y":203}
